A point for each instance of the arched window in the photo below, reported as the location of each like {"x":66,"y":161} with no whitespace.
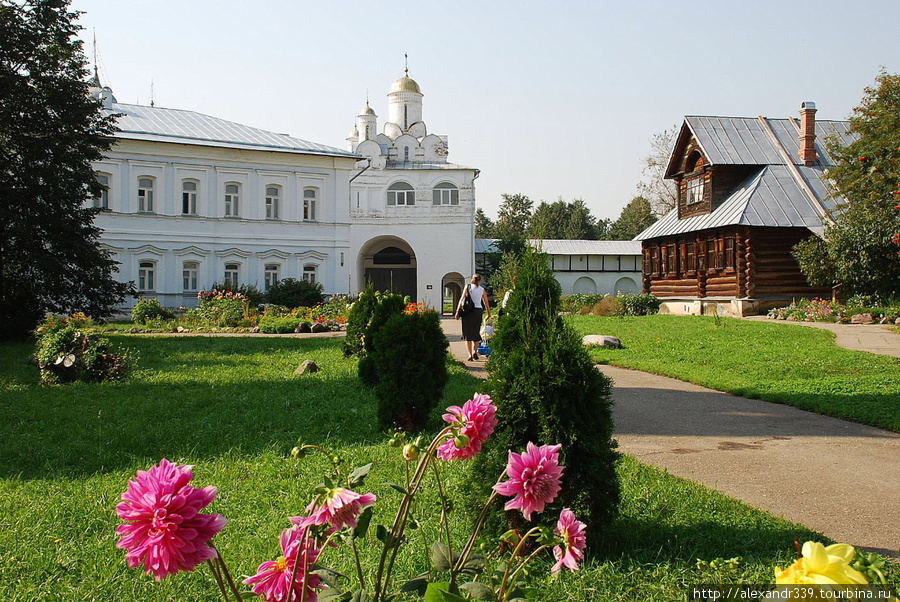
{"x":146,"y":276}
{"x":405,"y":154}
{"x":189,"y":197}
{"x":232,"y":275}
{"x":271,"y":275}
{"x":401,"y":193}
{"x":309,"y":273}
{"x":232,"y":199}
{"x":273,"y":200}
{"x":310,"y":196}
{"x":145,"y":194}
{"x":446,"y":193}
{"x":102,"y":200}
{"x":190,"y":276}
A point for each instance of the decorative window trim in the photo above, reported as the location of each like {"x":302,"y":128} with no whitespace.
{"x":102,"y":201}
{"x":271,"y":275}
{"x":273,"y":195}
{"x":190,"y":194}
{"x":310,"y":273}
{"x":231,"y":274}
{"x":401,"y":194}
{"x":445,"y":194}
{"x":310,"y":202}
{"x":146,"y":189}
{"x":146,"y":275}
{"x":190,"y":276}
{"x":232,"y":199}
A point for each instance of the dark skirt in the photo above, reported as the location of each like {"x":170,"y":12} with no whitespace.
{"x":471,"y":325}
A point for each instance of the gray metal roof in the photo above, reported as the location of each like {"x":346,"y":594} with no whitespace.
{"x":423,"y":165}
{"x":783,"y":193}
{"x":157,"y":124}
{"x":770,"y":197}
{"x":572,"y":247}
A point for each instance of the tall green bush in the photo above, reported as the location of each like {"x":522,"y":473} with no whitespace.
{"x":387,"y":306}
{"x":409,"y":355}
{"x":548,"y":391}
{"x":358,"y":320}
{"x":292,"y":293}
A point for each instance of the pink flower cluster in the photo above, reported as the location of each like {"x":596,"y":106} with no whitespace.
{"x":217,"y":294}
{"x":164,"y":529}
{"x":475,"y":421}
{"x":340,"y":508}
{"x":272,"y":580}
{"x":571,"y":532}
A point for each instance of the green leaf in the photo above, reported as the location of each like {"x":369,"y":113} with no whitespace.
{"x":478,"y":591}
{"x":416,"y":584}
{"x":329,"y":576}
{"x":356,"y":478}
{"x":362,"y":523}
{"x":360,"y":595}
{"x":441,"y":558}
{"x":381,"y":533}
{"x":332,"y":595}
{"x":439,"y":592}
{"x":398,"y":488}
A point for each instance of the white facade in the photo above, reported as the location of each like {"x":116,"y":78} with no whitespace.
{"x":412,"y":212}
{"x":195,"y":200}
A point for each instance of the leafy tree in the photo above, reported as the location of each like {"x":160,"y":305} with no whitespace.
{"x":484,"y":227}
{"x":50,"y":131}
{"x":602,"y":229}
{"x":514,"y":215}
{"x":661,"y":193}
{"x":511,"y":244}
{"x":859,"y":251}
{"x":636,"y":217}
{"x":562,"y":220}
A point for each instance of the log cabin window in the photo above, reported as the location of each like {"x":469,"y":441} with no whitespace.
{"x":671,"y":260}
{"x":654,"y":261}
{"x":711,"y":263}
{"x":691,"y":258}
{"x":646,"y":267}
{"x":694,"y":190}
{"x":701,"y":256}
{"x":682,"y":258}
{"x":729,"y":253}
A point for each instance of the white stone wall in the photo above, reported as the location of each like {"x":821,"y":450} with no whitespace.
{"x":167,"y":239}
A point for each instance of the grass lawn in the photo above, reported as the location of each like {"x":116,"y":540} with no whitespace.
{"x":231,"y":407}
{"x":794,"y":365}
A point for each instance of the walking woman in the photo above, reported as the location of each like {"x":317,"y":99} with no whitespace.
{"x":471,"y":321}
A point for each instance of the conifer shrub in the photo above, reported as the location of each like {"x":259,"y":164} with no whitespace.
{"x":548,"y":391}
{"x":409,"y":356}
{"x":358,"y":320}
{"x":387,"y":306}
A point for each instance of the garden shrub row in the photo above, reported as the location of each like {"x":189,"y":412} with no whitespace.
{"x":629,"y":304}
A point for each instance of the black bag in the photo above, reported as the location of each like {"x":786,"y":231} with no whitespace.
{"x":467,"y":304}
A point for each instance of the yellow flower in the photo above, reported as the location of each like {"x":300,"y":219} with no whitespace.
{"x":824,"y":565}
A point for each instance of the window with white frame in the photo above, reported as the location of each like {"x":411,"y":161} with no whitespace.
{"x":446,"y":193}
{"x":146,"y":276}
{"x":309,"y":204}
{"x":102,"y":200}
{"x":232,"y":275}
{"x":694,"y":190}
{"x":232,"y":199}
{"x":309,"y":273}
{"x":401,"y":193}
{"x":189,"y":197}
{"x":271,"y":275}
{"x":145,"y":194}
{"x":273,"y":198}
{"x":191,"y":276}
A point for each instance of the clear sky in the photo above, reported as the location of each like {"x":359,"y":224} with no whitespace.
{"x":547,"y":99}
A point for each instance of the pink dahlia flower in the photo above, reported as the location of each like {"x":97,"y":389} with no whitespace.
{"x":272,"y":580}
{"x":571,"y":531}
{"x":533,"y":479}
{"x":164,"y":529}
{"x":339,"y":508}
{"x":476,"y":421}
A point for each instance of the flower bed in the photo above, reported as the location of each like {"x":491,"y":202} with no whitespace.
{"x":822,"y":310}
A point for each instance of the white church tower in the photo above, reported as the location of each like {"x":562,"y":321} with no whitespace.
{"x":412,"y":212}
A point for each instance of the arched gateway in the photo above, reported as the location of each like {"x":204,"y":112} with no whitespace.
{"x":389,"y":263}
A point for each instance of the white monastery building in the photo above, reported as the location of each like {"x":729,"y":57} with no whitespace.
{"x":193,"y":200}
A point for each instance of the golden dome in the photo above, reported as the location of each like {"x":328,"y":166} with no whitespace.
{"x":405,"y":84}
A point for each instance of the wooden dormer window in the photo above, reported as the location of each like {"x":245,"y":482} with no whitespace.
{"x":694,"y":190}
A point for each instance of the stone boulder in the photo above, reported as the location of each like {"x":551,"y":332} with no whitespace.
{"x":319,"y":327}
{"x":307,"y":366}
{"x":303,"y":327}
{"x":862,"y":319}
{"x":599,"y":340}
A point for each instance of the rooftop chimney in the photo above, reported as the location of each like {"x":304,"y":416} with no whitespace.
{"x":808,"y":133}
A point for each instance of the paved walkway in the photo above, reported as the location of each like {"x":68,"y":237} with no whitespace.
{"x":874,"y":338}
{"x":836,"y":477}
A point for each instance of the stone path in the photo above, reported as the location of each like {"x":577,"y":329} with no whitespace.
{"x":839,"y":478}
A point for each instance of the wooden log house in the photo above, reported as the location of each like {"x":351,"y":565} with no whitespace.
{"x":749,"y":189}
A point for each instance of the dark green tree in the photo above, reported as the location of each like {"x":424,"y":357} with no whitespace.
{"x":562,"y":220}
{"x":50,"y":131}
{"x":513,"y":216}
{"x":484,"y":227}
{"x":636,"y":217}
{"x":859,"y":252}
{"x":602,"y":229}
{"x":548,"y":391}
